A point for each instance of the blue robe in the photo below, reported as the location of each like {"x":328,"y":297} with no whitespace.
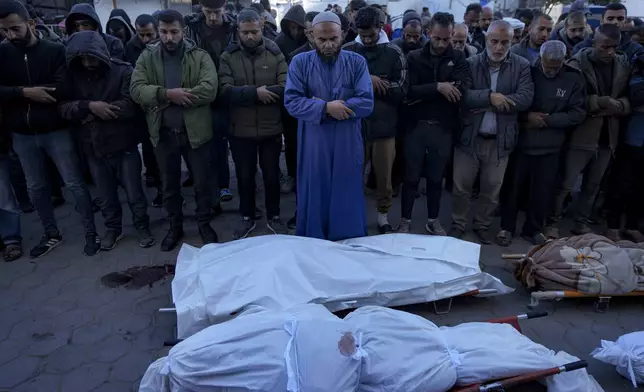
{"x":330,"y":153}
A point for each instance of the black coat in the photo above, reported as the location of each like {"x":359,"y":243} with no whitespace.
{"x":111,"y":84}
{"x":212,"y":40}
{"x":87,"y":11}
{"x":284,"y":40}
{"x":425,"y":74}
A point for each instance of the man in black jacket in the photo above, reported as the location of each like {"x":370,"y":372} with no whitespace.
{"x":83,"y":16}
{"x":388,"y":70}
{"x":438,"y":77}
{"x":10,"y":239}
{"x":310,"y":43}
{"x":472,"y":19}
{"x":213,"y":30}
{"x":29,"y":87}
{"x":119,"y":25}
{"x":412,"y":34}
{"x":559,"y":104}
{"x":146,"y":33}
{"x":98,"y":103}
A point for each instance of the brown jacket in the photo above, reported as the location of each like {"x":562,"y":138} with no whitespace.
{"x":586,"y":136}
{"x":240,"y":73}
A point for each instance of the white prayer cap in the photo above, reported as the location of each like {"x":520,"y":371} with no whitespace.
{"x":327,"y":16}
{"x":515,"y":23}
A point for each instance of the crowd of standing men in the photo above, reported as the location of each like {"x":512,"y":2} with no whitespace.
{"x":505,"y":111}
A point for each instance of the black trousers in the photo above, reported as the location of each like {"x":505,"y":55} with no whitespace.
{"x":245,"y":152}
{"x":538,"y":173}
{"x":169,"y":150}
{"x":428,"y":148}
{"x":624,"y":195}
{"x":149,"y":159}
{"x":290,"y":144}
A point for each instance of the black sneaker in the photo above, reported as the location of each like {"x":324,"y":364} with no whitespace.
{"x":485,"y":238}
{"x":158,"y":200}
{"x":46,"y":245}
{"x":171,"y":239}
{"x":146,"y":239}
{"x":276,"y":225}
{"x":208,"y":234}
{"x":456,"y":232}
{"x":246,"y":227}
{"x":92,"y":244}
{"x":292,"y":223}
{"x":110,"y":239}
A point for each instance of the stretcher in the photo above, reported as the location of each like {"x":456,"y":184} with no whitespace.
{"x":525,"y":382}
{"x":601,"y":305}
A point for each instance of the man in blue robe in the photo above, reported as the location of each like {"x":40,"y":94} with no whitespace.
{"x":329,"y":91}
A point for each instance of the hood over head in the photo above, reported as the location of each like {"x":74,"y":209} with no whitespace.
{"x":119,"y":12}
{"x":86,"y":43}
{"x":295,"y":14}
{"x":130,"y":32}
{"x":269,"y":19}
{"x":81,"y":11}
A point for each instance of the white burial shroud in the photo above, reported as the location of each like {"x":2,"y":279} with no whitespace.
{"x":214,"y":283}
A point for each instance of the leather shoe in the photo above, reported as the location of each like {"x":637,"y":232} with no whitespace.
{"x":208,"y":234}
{"x":171,"y":239}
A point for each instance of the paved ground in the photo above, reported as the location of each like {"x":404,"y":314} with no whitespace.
{"x":61,"y":330}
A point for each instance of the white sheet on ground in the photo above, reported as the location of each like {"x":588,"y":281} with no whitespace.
{"x":575,"y":381}
{"x":627,"y":353}
{"x":215,"y":282}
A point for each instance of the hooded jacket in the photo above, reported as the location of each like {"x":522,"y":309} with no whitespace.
{"x":240,"y":73}
{"x":198,"y":74}
{"x":563,"y":37}
{"x":119,"y":16}
{"x":515,"y":82}
{"x":564,"y":99}
{"x":48,"y":34}
{"x":40,"y":65}
{"x":286,"y":43}
{"x":386,"y":61}
{"x":212,"y":40}
{"x":111,"y":84}
{"x":87,"y":11}
{"x":270,"y":26}
{"x":586,"y":136}
{"x":626,"y":45}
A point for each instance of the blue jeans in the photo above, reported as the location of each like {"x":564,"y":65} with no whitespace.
{"x":123,"y":169}
{"x":59,"y":146}
{"x":9,"y":212}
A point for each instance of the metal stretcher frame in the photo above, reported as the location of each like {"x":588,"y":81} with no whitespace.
{"x":601,"y":305}
{"x":504,"y":384}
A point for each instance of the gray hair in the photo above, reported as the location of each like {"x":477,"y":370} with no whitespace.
{"x":553,"y":50}
{"x":501,"y":25}
{"x":462,"y":26}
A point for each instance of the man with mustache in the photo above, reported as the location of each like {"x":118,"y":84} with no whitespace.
{"x":574,"y":30}
{"x":592,"y":144}
{"x":99,"y":106}
{"x":30,"y":86}
{"x":559,"y":104}
{"x":174,"y":82}
{"x":459,"y":40}
{"x":252,"y":75}
{"x":539,"y":32}
{"x":329,"y":91}
{"x":502,"y":87}
{"x":412,"y":34}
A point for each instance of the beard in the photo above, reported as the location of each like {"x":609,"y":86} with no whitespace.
{"x":23,"y":42}
{"x":329,"y":56}
{"x":250,"y":45}
{"x":172,"y":47}
{"x":412,"y":45}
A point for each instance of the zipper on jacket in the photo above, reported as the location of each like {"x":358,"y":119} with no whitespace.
{"x":256,"y":106}
{"x":29,"y":80}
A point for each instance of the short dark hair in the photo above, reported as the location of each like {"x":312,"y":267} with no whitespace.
{"x":609,"y":31}
{"x":248,"y":15}
{"x":614,"y":7}
{"x":356,"y":5}
{"x":144,"y":20}
{"x":442,"y":19}
{"x":13,"y":7}
{"x":576,"y":16}
{"x":212,"y":3}
{"x":524,"y":13}
{"x":257,"y":7}
{"x":476,"y":7}
{"x":537,"y":15}
{"x":367,"y":18}
{"x":170,"y":16}
{"x":310,"y":16}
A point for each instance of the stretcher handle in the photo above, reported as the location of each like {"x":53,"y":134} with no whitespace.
{"x":513,"y":256}
{"x":536,"y":314}
{"x":575,"y":365}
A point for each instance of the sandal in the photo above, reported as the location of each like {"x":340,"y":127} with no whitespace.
{"x":12,"y":252}
{"x":504,"y":238}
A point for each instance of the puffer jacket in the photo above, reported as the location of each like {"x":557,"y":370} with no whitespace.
{"x":286,"y":43}
{"x":564,"y":99}
{"x":386,"y":61}
{"x":198,"y":74}
{"x":240,"y":73}
{"x":120,"y":17}
{"x":111,"y":84}
{"x":87,"y":11}
{"x":515,"y":82}
{"x":586,"y":136}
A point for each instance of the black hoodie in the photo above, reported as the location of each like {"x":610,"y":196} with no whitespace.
{"x":111,"y":84}
{"x":87,"y":11}
{"x":119,"y":16}
{"x":284,"y":40}
{"x":213,"y":40}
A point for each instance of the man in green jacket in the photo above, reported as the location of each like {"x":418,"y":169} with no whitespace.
{"x":175,"y":82}
{"x":253,"y":76}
